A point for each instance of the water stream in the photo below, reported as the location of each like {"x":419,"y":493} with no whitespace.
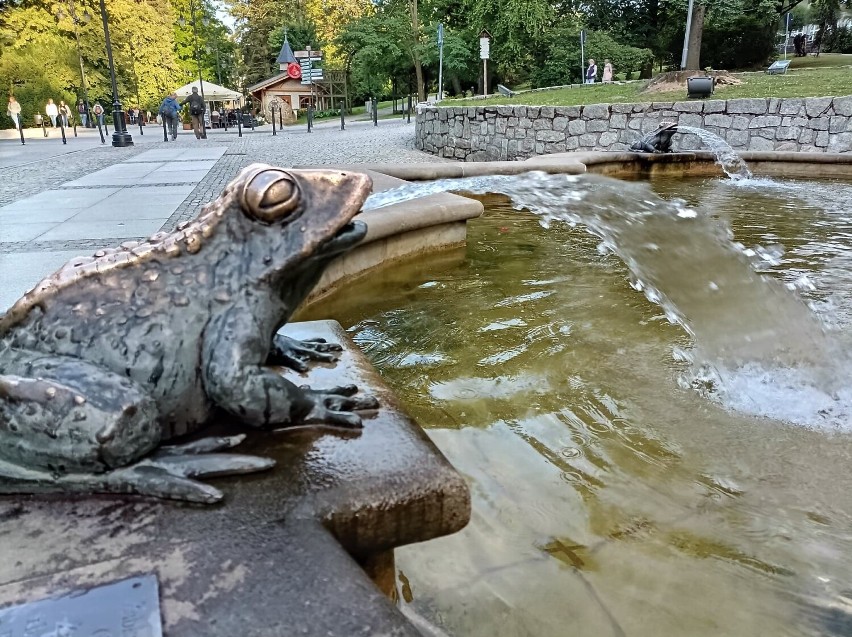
{"x":726,"y":157}
{"x":756,"y":345}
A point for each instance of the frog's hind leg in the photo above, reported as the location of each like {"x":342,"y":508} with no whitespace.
{"x":67,"y":425}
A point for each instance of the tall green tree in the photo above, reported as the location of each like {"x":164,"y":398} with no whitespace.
{"x":38,"y":51}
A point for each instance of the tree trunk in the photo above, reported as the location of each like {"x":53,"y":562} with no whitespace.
{"x":696,"y":29}
{"x":415,"y":57}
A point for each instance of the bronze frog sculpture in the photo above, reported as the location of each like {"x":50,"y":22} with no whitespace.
{"x":112,"y":355}
{"x":660,"y":141}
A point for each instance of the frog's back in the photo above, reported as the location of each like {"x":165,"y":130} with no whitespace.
{"x":139,"y":310}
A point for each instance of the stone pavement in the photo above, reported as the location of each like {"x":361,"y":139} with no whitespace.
{"x":55,"y":208}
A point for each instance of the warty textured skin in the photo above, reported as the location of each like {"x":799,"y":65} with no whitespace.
{"x":114,"y":354}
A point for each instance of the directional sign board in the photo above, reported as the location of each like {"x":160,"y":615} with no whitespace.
{"x":311,"y":72}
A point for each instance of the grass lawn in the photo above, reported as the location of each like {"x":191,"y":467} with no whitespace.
{"x":829,"y":74}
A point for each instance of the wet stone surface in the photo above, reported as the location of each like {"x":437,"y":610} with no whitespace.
{"x":281,"y":554}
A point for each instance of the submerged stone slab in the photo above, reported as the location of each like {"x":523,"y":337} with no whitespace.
{"x":283,"y":554}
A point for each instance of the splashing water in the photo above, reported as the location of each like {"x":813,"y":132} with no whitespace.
{"x":756,"y":346}
{"x":726,"y":157}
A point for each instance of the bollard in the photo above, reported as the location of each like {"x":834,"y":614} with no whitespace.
{"x":74,"y":124}
{"x":273,"y":120}
{"x":226,"y":120}
{"x":240,"y":124}
{"x":139,"y":119}
{"x":375,"y":111}
{"x":101,"y":131}
{"x":21,"y":128}
{"x":309,"y":115}
{"x":251,"y":121}
{"x":43,"y":127}
{"x":281,"y":118}
{"x":342,"y":120}
{"x":409,"y":108}
{"x":165,"y":131}
{"x":62,"y":129}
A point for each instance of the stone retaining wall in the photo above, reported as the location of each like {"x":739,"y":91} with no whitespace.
{"x":488,"y":133}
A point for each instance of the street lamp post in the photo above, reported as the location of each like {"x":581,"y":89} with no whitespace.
{"x":77,"y":21}
{"x":120,"y":136}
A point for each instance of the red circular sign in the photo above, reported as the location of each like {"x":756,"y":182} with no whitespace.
{"x":294,"y":70}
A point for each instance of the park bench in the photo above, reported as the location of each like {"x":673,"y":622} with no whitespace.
{"x":778,"y":67}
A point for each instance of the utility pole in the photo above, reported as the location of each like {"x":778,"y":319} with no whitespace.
{"x":686,"y":36}
{"x":440,"y":62}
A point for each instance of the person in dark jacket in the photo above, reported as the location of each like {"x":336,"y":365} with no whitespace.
{"x":196,"y":112}
{"x":170,"y":109}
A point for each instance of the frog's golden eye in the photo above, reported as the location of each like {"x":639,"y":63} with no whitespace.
{"x":270,"y":195}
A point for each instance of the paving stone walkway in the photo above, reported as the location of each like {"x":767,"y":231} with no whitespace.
{"x":54,"y":209}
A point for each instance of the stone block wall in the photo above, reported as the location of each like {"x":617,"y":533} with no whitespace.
{"x":488,"y":133}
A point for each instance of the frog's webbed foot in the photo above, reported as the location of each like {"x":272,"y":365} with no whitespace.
{"x":293,"y":353}
{"x":335,"y":406}
{"x":167,"y":473}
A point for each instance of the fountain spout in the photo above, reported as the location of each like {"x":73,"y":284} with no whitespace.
{"x":660,"y":141}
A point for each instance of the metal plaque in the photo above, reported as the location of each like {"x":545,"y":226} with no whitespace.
{"x":128,"y":608}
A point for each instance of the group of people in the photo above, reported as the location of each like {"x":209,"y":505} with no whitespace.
{"x":57,"y":113}
{"x":170,"y":111}
{"x":592,"y":72}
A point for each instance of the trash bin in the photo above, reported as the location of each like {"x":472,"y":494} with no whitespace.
{"x":699,"y":87}
{"x":38,"y":119}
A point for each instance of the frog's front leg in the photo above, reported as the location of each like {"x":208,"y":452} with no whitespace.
{"x":235,"y":348}
{"x":68,"y":425}
{"x":293,"y":353}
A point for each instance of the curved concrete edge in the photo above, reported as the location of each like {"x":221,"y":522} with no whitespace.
{"x":432,"y":171}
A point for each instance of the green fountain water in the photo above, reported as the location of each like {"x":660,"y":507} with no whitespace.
{"x":637,"y":468}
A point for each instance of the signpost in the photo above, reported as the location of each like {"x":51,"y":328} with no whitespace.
{"x":582,"y":56}
{"x":440,"y":62}
{"x":787,"y":33}
{"x":484,"y":53}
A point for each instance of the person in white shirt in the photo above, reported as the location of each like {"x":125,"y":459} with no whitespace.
{"x":52,"y":111}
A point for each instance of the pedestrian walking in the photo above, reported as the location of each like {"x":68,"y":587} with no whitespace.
{"x":83,"y":113}
{"x":98,"y":110}
{"x":52,"y":111}
{"x":64,"y":112}
{"x":169,"y":110}
{"x":607,"y":73}
{"x":591,"y":72}
{"x":196,"y":112}
{"x":13,"y":110}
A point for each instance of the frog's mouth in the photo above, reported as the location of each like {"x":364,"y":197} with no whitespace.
{"x":346,"y":238}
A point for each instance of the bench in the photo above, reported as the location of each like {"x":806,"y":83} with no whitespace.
{"x":778,"y":67}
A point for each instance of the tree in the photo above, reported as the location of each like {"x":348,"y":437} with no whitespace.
{"x":560,"y":57}
{"x":38,"y":56}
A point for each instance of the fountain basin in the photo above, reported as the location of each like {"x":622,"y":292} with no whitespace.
{"x":607,"y":497}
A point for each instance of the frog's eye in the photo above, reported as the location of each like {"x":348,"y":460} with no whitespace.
{"x":270,"y":196}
